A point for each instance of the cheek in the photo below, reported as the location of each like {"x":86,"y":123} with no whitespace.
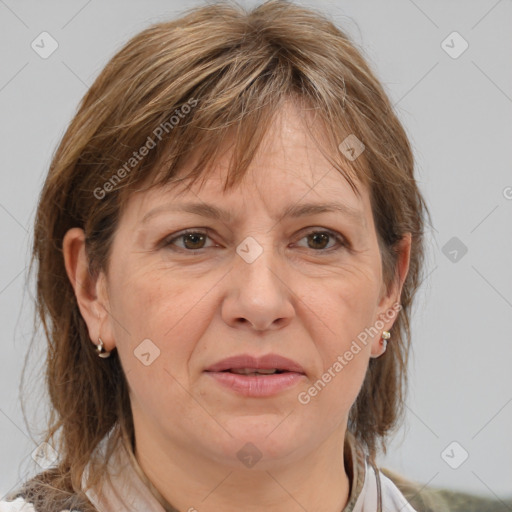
{"x":342,"y":310}
{"x":154,"y":301}
{"x":159,"y":306}
{"x":346,"y":304}
{"x":171,"y":314}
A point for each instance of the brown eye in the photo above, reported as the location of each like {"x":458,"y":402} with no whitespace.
{"x":194,"y":240}
{"x":191,"y":240}
{"x":319,"y":240}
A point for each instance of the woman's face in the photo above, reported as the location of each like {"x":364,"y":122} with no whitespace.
{"x":258,"y":282}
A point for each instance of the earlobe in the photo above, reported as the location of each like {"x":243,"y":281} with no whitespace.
{"x":89,"y":290}
{"x":382,"y":345}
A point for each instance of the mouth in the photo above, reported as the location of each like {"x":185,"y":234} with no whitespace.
{"x":255,"y":377}
{"x":254,"y":371}
{"x":246,"y":364}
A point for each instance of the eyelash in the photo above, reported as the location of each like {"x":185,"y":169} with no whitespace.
{"x":169,"y":241}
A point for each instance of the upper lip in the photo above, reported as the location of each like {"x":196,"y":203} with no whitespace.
{"x":267,"y":362}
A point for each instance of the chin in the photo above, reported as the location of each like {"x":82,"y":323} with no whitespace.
{"x":266,"y":437}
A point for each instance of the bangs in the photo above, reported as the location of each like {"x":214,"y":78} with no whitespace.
{"x":193,"y":155}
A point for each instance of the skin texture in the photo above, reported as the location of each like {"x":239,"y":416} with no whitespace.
{"x":303,"y":298}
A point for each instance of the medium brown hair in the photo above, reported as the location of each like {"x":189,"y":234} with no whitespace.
{"x":233,"y":69}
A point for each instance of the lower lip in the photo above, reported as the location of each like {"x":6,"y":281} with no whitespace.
{"x":257,"y":386}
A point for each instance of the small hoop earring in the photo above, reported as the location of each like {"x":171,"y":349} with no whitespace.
{"x":383,"y":342}
{"x":101,"y":350}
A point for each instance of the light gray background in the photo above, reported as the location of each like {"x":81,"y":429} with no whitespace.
{"x":458,"y":114}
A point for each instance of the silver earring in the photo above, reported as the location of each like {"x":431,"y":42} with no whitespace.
{"x":383,"y":342}
{"x":101,"y":350}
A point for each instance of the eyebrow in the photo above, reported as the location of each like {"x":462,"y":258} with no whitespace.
{"x":294,"y":210}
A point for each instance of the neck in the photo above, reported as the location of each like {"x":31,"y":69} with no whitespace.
{"x":318,"y":481}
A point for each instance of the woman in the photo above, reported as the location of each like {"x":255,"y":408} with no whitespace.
{"x":228,"y":244}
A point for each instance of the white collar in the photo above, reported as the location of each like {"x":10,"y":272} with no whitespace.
{"x":122,"y":490}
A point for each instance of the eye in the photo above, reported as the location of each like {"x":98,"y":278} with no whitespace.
{"x":318,"y":240}
{"x":193,"y":239}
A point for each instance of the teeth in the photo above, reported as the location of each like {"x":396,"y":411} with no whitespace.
{"x":253,"y":371}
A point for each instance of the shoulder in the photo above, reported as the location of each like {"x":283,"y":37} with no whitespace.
{"x":43,"y":493}
{"x":429,"y":499}
{"x":21,"y":505}
{"x":17,"y":505}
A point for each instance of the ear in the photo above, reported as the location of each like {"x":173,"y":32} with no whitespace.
{"x":91,"y":292}
{"x":390,"y":293}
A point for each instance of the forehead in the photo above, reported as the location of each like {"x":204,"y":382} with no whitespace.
{"x":288,"y":168}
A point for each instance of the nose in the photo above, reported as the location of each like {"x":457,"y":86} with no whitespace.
{"x":259,"y":296}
